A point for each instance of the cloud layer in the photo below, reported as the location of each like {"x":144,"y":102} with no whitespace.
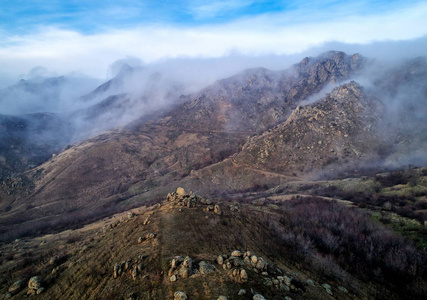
{"x":63,"y":44}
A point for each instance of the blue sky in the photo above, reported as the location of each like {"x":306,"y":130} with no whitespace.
{"x":87,"y":36}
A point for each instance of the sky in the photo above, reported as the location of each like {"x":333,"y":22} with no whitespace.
{"x":85,"y":37}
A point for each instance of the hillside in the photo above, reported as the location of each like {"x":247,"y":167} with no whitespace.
{"x":208,"y":248}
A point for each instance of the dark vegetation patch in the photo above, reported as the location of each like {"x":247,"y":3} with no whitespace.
{"x":337,"y":240}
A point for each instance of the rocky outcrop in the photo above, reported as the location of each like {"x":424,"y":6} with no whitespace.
{"x":35,"y":286}
{"x":336,"y":129}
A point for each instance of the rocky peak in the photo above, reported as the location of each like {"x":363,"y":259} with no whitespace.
{"x":336,"y":129}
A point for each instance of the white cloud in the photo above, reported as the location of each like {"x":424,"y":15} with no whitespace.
{"x":63,"y":51}
{"x":211,"y":9}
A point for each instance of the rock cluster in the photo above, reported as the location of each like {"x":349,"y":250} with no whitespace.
{"x":181,"y":198}
{"x":180,"y":268}
{"x":131,"y":266}
{"x":35,"y":286}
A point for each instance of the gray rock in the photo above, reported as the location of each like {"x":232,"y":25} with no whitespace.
{"x":258,"y":297}
{"x":173,"y":278}
{"x":222,"y":298}
{"x":40,"y":291}
{"x":220,"y":260}
{"x":205,"y":268}
{"x":236,"y":253}
{"x":327,"y":288}
{"x":310,"y":282}
{"x":180,"y":295}
{"x":241,"y":292}
{"x":15,"y":287}
{"x":188,"y":262}
{"x":343,"y":289}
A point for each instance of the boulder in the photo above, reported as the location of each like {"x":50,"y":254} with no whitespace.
{"x":35,"y":283}
{"x":180,"y":191}
{"x":327,"y":288}
{"x":140,"y":240}
{"x":258,"y":297}
{"x":117,"y":270}
{"x":220,"y":260}
{"x":243,"y":275}
{"x":241,"y":292}
{"x":205,"y":268}
{"x":343,"y":289}
{"x":310,"y":282}
{"x":173,"y":278}
{"x":261,"y":264}
{"x":217,"y":210}
{"x":236,"y":253}
{"x":222,"y":298}
{"x":15,"y":287}
{"x":134,"y":273}
{"x":180,"y":295}
{"x":254,"y":260}
{"x":188,"y":262}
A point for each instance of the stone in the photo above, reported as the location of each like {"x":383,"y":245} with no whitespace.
{"x":247,"y":254}
{"x":15,"y":287}
{"x":236,"y":253}
{"x":180,"y":191}
{"x":243,"y":275}
{"x":222,"y":298}
{"x":35,"y":283}
{"x":258,"y":297}
{"x":188,"y":262}
{"x":254,"y":260}
{"x":134,"y":273}
{"x":40,"y":291}
{"x":217,"y":210}
{"x":247,"y":260}
{"x":117,"y":270}
{"x":150,"y":235}
{"x":343,"y":289}
{"x":310,"y":282}
{"x":327,"y":288}
{"x":241,"y":292}
{"x":140,"y":240}
{"x":180,"y":295}
{"x":173,"y":278}
{"x":146,"y":221}
{"x":235,"y":273}
{"x":205,"y":268}
{"x":130,"y":215}
{"x":220,"y":260}
{"x":184,"y":272}
{"x":261,"y":264}
{"x":127,"y":264}
{"x":287,"y":280}
{"x":288,"y":298}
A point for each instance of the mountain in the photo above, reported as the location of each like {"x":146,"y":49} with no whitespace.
{"x":308,"y":167}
